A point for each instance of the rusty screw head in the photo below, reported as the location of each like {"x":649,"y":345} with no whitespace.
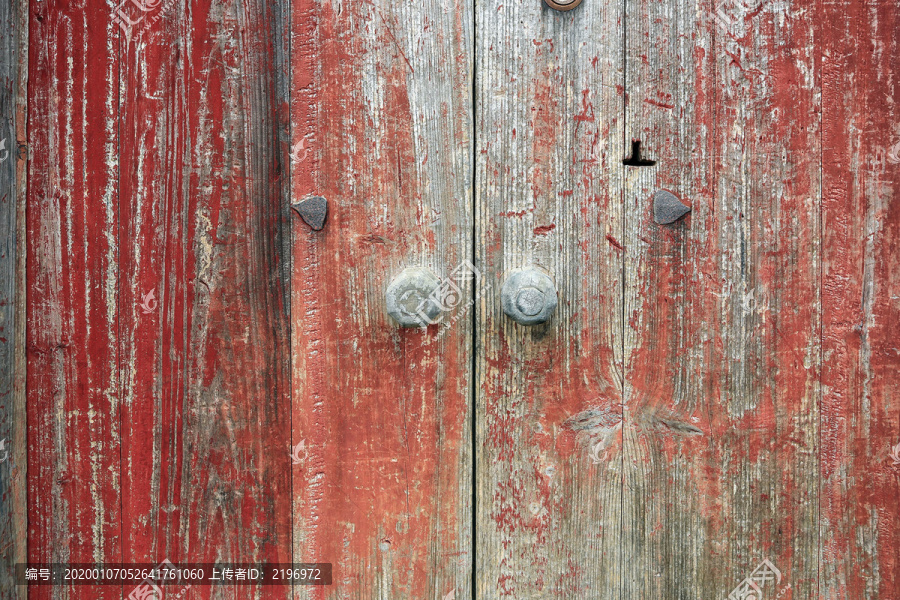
{"x":563,"y":4}
{"x":528,"y":296}
{"x":411,"y":299}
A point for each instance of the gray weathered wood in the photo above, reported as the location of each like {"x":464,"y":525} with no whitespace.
{"x":549,"y":96}
{"x":721,"y":342}
{"x":13,"y":451}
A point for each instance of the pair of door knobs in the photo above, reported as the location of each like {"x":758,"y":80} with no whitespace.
{"x":417,"y":298}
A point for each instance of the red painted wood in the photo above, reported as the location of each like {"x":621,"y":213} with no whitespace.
{"x":158,"y":343}
{"x":74,"y":397}
{"x":859,"y":49}
{"x":380,"y":118}
{"x":203,"y":291}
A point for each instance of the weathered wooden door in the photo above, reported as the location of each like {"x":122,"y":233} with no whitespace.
{"x":189,"y":372}
{"x":712,"y":393}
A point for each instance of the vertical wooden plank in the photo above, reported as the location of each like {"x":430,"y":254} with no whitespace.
{"x":204,"y":287}
{"x":381,"y":127}
{"x":722,"y":323}
{"x":72,"y":280}
{"x":859,"y":46}
{"x":549,"y":93}
{"x":13,"y":451}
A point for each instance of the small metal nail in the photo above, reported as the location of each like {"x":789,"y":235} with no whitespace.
{"x":313,"y":211}
{"x":667,"y":208}
{"x":636,"y":160}
{"x":410,"y":297}
{"x":528,"y":296}
{"x":564,"y":5}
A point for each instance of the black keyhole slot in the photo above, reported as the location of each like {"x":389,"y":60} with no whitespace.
{"x":636,"y":160}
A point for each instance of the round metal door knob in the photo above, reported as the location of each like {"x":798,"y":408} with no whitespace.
{"x":528,"y":296}
{"x":412,"y":298}
{"x":563,"y":4}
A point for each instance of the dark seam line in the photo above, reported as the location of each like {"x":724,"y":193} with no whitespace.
{"x":623,"y":280}
{"x":821,"y":298}
{"x":473,"y":392}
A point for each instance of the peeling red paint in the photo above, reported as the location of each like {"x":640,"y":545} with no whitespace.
{"x":614,"y":243}
{"x":587,"y":109}
{"x":511,"y":213}
{"x":755,"y":384}
{"x":659,"y":104}
{"x":385,"y":442}
{"x":72,"y":370}
{"x":859,"y":57}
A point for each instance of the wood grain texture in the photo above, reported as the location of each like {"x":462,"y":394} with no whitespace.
{"x":13,"y":441}
{"x":550,"y":97}
{"x":381,"y":127}
{"x":158,"y":339}
{"x":859,"y":50}
{"x":722,"y":343}
{"x":204,"y":288}
{"x":208,"y":379}
{"x":72,"y":278}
